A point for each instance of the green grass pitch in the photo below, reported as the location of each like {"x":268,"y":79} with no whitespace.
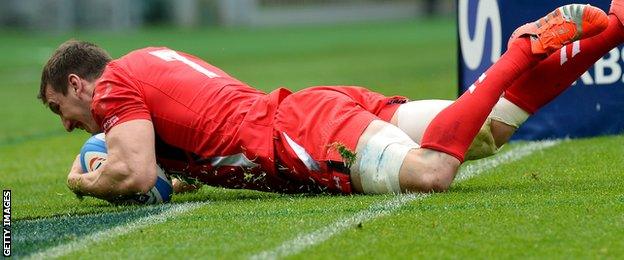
{"x":565,"y":200}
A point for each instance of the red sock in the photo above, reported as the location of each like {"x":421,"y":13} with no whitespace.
{"x":454,"y":128}
{"x":549,"y":78}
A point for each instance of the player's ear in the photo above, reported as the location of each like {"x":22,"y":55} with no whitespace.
{"x":73,"y":83}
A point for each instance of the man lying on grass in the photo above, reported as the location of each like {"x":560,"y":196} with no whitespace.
{"x":160,"y":106}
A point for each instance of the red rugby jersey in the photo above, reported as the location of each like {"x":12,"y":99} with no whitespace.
{"x":199,"y":109}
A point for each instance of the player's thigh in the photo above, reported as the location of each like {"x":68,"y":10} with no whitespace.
{"x":389,"y":161}
{"x":414,"y":117}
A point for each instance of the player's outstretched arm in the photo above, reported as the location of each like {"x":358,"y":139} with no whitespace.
{"x":129,"y":168}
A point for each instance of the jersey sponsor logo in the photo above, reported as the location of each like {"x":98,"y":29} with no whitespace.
{"x":110,"y":122}
{"x":396,"y":101}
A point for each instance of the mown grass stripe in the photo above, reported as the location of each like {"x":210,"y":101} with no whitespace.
{"x":384,"y":208}
{"x":16,"y":140}
{"x":82,"y":242}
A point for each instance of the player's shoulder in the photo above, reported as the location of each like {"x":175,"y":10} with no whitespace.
{"x":140,"y":54}
{"x":146,"y":51}
{"x":135,"y":63}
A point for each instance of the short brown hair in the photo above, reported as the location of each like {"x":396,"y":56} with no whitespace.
{"x":84,"y":59}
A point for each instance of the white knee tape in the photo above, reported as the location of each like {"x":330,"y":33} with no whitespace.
{"x":381,"y":160}
{"x":508,"y":113}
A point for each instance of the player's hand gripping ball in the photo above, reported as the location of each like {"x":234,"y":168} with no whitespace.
{"x":93,"y":155}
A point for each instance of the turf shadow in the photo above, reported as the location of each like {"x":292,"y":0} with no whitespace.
{"x":31,"y":236}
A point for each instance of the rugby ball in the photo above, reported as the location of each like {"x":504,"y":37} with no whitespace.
{"x":93,"y":155}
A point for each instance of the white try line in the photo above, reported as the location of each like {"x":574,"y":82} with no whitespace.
{"x":384,"y":208}
{"x":83,"y":242}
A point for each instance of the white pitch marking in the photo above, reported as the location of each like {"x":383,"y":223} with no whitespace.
{"x":83,"y":242}
{"x":515,"y":154}
{"x":384,"y":208}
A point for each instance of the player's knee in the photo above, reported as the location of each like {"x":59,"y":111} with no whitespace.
{"x":428,"y":171}
{"x":429,"y":182}
{"x":435,"y":182}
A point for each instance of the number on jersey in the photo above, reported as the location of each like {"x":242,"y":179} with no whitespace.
{"x":170,"y":55}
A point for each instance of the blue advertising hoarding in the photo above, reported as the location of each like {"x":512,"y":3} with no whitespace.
{"x":594,"y":105}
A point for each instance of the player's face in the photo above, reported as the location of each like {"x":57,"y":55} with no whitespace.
{"x":75,"y":113}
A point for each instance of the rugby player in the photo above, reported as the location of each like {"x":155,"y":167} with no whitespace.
{"x":160,"y":106}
